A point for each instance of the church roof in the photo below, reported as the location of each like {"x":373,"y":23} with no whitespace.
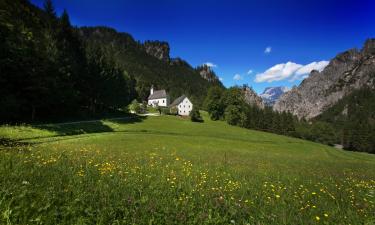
{"x":158,"y":94}
{"x":178,"y":100}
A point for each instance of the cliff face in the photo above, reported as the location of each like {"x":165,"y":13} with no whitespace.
{"x":251,"y":97}
{"x":158,"y":49}
{"x":346,"y":72}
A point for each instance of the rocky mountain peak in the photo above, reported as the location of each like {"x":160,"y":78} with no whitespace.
{"x":369,"y":47}
{"x":158,"y":49}
{"x":348,"y":71}
{"x":271,"y":94}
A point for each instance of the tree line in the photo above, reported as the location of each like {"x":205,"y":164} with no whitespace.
{"x":230,"y":105}
{"x":350,"y":122}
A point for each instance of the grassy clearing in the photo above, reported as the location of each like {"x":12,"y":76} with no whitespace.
{"x":167,"y":170}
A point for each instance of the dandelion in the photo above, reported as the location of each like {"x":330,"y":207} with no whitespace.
{"x":317,"y":218}
{"x":314,"y":193}
{"x":325,"y":215}
{"x":277,"y":196}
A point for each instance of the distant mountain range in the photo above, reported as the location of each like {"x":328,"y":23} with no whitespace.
{"x":271,"y":94}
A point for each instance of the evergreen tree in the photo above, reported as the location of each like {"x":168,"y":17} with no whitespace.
{"x":195,"y":115}
{"x":213,"y":103}
{"x":49,"y":9}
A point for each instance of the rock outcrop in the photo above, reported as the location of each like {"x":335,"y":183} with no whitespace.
{"x":346,"y":72}
{"x":207,"y":73}
{"x":251,"y":97}
{"x":158,"y":49}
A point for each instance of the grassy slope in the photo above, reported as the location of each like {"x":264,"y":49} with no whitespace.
{"x":193,"y":172}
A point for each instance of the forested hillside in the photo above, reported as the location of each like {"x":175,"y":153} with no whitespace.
{"x":353,"y":118}
{"x":350,"y":122}
{"x":47,"y":72}
{"x":50,"y":69}
{"x":149,"y":64}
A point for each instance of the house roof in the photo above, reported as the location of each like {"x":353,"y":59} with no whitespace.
{"x":178,"y":100}
{"x":158,"y":94}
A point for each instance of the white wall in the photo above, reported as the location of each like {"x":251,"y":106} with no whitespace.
{"x":185,"y":107}
{"x":158,"y":102}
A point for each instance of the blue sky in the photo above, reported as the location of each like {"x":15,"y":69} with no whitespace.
{"x":234,"y":35}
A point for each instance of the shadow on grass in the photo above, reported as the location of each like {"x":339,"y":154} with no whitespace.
{"x":6,"y":142}
{"x":72,"y":129}
{"x":128,"y":120}
{"x":87,"y":127}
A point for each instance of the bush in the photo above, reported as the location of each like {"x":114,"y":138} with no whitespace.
{"x":135,"y":107}
{"x":195,"y":116}
{"x":173,"y":110}
{"x":165,"y":110}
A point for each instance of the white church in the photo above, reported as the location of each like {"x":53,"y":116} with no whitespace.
{"x":158,"y":98}
{"x":161,"y":98}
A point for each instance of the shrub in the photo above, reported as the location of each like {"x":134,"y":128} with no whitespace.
{"x":165,"y":110}
{"x":173,"y":110}
{"x":135,"y":107}
{"x":195,"y":116}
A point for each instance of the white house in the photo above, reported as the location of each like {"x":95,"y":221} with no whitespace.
{"x":183,"y":105}
{"x":158,"y":98}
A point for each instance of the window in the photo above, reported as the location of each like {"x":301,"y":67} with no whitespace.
{"x":163,"y":101}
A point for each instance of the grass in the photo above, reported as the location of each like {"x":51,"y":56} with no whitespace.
{"x":168,"y":170}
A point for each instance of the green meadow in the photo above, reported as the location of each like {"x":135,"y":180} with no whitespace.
{"x":168,"y":170}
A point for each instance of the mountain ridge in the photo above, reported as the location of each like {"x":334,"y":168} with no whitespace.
{"x":149,"y":63}
{"x":348,"y":71}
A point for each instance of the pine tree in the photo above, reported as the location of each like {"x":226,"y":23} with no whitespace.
{"x":49,"y":9}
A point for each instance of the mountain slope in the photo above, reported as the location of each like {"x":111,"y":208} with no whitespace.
{"x":353,"y":117}
{"x":251,"y":97}
{"x":149,"y":64}
{"x":348,"y":71}
{"x":271,"y":94}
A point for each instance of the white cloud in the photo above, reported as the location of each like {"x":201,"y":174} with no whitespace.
{"x":237,"y":77}
{"x":289,"y":70}
{"x":221,"y":79}
{"x":210,"y":64}
{"x":268,"y":50}
{"x":250,"y":72}
{"x":319,"y":66}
